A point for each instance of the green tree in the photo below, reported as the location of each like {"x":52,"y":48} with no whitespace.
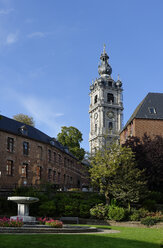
{"x":72,"y":137}
{"x":149,"y":156}
{"x":24,"y":119}
{"x":128,"y":184}
{"x":113,"y":170}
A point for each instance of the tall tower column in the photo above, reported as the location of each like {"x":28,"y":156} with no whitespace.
{"x":106,"y":107}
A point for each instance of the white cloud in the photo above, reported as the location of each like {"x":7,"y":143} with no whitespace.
{"x":6,"y":11}
{"x":11,"y":38}
{"x":59,"y":114}
{"x":46,"y":113}
{"x":37,"y":35}
{"x":43,"y":113}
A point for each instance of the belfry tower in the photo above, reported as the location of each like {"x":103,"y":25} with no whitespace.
{"x":106,"y":107}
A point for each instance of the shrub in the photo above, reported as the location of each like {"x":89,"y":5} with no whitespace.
{"x":136,"y":215}
{"x":143,"y":213}
{"x":157,"y":215}
{"x":54,"y":223}
{"x":116,"y":213}
{"x":84,"y":210}
{"x":99,"y":211}
{"x":149,"y":221}
{"x":47,"y":208}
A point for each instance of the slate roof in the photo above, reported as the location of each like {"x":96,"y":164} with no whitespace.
{"x":152,"y":100}
{"x":12,"y":126}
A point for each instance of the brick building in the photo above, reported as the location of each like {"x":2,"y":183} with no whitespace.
{"x":30,"y":157}
{"x":147,"y":118}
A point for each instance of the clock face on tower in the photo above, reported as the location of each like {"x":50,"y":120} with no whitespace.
{"x":95,"y":116}
{"x":110,"y":114}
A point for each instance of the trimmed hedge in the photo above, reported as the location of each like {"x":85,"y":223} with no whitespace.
{"x":54,"y":204}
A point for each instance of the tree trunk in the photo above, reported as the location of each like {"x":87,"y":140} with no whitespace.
{"x":129,"y":206}
{"x":107,"y":198}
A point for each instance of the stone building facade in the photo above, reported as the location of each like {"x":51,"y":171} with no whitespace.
{"x":106,"y":107}
{"x":30,"y":157}
{"x":147,"y":118}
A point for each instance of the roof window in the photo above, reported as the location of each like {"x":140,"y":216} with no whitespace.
{"x":152,"y":110}
{"x":24,"y":130}
{"x":52,"y":142}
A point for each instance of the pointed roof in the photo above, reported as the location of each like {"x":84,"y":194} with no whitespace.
{"x":150,"y":108}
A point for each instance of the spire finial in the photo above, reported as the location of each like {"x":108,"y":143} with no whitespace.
{"x":104,"y":51}
{"x":118,"y":77}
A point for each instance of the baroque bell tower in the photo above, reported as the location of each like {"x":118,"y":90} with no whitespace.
{"x":106,"y":107}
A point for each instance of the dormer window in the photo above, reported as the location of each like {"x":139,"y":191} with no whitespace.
{"x":52,"y":142}
{"x":152,"y":110}
{"x":24,"y":130}
{"x":110,"y":98}
{"x":95,"y":99}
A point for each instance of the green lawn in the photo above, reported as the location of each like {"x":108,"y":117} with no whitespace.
{"x":127,"y":238}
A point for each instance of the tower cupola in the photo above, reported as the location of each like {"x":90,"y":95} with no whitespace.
{"x":104,"y":68}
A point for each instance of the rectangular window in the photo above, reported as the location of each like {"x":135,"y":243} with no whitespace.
{"x":49,"y":175}
{"x":55,"y":159}
{"x":38,"y":172}
{"x":24,"y":168}
{"x":39,"y":152}
{"x":64,"y":178}
{"x":10,"y":144}
{"x":9,"y":168}
{"x":65,"y":162}
{"x":54,"y":176}
{"x":25,"y":148}
{"x":60,"y":159}
{"x":126,"y":134}
{"x":59,"y":175}
{"x":49,"y":156}
{"x":131,"y":130}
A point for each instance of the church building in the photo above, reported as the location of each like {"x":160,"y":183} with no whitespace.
{"x":106,"y":107}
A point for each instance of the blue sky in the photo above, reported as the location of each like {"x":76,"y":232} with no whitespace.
{"x":50,"y":50}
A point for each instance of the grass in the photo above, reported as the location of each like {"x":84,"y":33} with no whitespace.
{"x":127,"y":238}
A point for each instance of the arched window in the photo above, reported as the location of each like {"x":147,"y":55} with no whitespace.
{"x":110,"y":125}
{"x":95,"y":99}
{"x":110,"y":83}
{"x":95,"y":128}
{"x":110,"y":98}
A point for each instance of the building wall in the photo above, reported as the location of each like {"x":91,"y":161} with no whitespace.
{"x":140,"y":126}
{"x":60,"y":168}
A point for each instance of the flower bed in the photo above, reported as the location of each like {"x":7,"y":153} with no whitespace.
{"x":50,"y":222}
{"x":5,"y":222}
